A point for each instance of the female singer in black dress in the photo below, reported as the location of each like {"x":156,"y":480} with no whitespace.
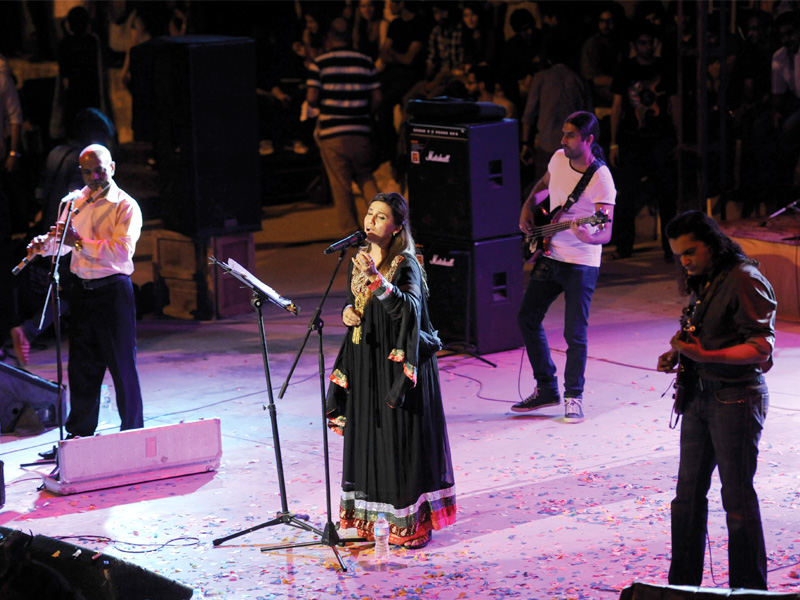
{"x":385,"y":394}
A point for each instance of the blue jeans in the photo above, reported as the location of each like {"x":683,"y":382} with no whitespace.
{"x":720,"y":428}
{"x":549,"y":279}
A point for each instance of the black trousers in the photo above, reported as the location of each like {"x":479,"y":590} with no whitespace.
{"x":102,"y":335}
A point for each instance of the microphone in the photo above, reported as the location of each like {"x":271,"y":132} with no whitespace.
{"x":73,"y":195}
{"x":351,"y":240}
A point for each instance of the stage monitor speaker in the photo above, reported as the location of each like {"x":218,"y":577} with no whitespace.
{"x":645,"y":591}
{"x":20,"y":389}
{"x":475,"y":286}
{"x":203,"y":121}
{"x":136,"y":455}
{"x":43,"y":567}
{"x":463,"y":180}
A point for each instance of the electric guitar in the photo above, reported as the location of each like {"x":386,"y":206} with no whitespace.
{"x":538,"y":241}
{"x":683,"y":374}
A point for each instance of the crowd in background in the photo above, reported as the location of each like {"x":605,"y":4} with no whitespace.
{"x":488,"y":51}
{"x":536,"y":59}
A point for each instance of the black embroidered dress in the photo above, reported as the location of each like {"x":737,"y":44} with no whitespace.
{"x":386,"y":384}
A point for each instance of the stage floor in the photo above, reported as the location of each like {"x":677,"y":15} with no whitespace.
{"x":546,"y":509}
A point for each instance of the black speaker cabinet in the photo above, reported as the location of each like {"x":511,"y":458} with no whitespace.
{"x":197,"y":104}
{"x":475,"y":286}
{"x":645,"y":591}
{"x":43,"y":567}
{"x":463,"y":180}
{"x":18,"y":389}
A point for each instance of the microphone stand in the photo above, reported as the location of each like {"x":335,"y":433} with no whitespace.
{"x":284,"y":517}
{"x":329,"y":536}
{"x":780,"y":211}
{"x":54,"y":299}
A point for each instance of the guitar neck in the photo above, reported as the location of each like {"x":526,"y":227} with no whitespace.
{"x":553,"y":228}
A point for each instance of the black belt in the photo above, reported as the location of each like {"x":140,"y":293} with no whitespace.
{"x":93,"y":284}
{"x":708,"y":385}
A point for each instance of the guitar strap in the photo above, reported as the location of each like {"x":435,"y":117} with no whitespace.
{"x":581,"y":185}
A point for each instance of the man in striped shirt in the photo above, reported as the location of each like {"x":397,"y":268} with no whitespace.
{"x":343,"y":85}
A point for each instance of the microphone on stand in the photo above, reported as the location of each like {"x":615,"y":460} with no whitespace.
{"x":73,"y":195}
{"x":351,"y":240}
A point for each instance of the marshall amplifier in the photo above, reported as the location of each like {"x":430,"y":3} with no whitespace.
{"x":475,"y":291}
{"x":463,"y":180}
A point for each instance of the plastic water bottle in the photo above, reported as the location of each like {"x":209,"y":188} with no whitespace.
{"x":381,"y":532}
{"x":105,"y":405}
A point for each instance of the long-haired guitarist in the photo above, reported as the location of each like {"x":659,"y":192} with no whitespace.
{"x":576,"y":191}
{"x":723,"y":356}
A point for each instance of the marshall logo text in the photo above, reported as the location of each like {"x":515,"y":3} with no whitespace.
{"x":442,"y":262}
{"x":440,"y":158}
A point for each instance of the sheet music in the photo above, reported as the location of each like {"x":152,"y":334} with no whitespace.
{"x":262,"y":287}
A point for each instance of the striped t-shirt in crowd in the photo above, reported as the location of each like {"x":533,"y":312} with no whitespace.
{"x":346,"y":80}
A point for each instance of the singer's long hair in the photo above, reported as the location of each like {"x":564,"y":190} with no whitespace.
{"x":403,"y":242}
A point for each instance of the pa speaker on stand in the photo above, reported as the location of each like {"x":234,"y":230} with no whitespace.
{"x":197,"y":106}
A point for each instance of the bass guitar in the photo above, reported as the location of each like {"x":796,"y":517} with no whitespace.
{"x":538,"y":241}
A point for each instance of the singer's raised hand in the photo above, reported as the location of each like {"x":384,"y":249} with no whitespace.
{"x":364,"y":262}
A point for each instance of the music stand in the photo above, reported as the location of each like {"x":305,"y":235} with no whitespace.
{"x":262,"y":292}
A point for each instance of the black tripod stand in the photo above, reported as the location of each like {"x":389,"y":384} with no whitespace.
{"x":329,"y":536}
{"x":284,"y":517}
